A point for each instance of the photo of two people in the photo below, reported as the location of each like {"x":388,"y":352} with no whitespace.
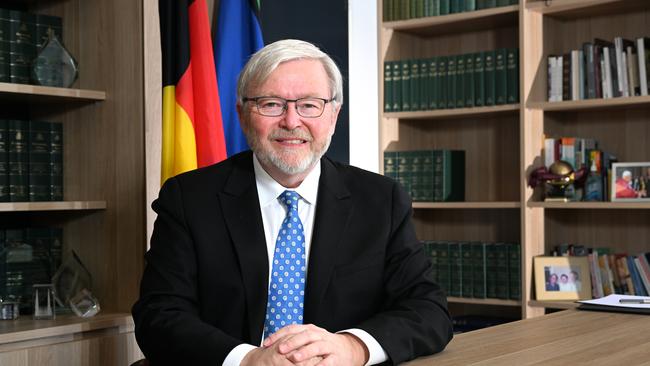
{"x":561,"y":278}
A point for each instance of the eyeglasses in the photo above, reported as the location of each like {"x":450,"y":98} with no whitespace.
{"x":310,"y":107}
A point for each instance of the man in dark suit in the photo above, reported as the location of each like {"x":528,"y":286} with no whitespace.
{"x":346,"y":282}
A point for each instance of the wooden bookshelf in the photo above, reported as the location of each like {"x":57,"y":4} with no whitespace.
{"x":573,"y":9}
{"x":52,"y":206}
{"x":553,"y":304}
{"x":592,"y":205}
{"x":592,"y":104}
{"x":478,"y":301}
{"x":490,"y":111}
{"x":36,"y":93}
{"x":465,"y":205}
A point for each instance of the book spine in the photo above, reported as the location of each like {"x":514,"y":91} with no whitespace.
{"x":443,"y":78}
{"x":454,"y":6}
{"x":4,"y":161}
{"x":387,"y":10}
{"x":39,"y":161}
{"x":451,"y":81}
{"x":490,"y":4}
{"x":22,"y":46}
{"x":415,"y":85}
{"x":455,"y":269}
{"x":406,"y":85}
{"x":56,"y":161}
{"x":502,"y":283}
{"x":628,"y":275}
{"x":39,"y":241}
{"x":639,"y":289}
{"x":390,"y":164}
{"x":444,"y":266}
{"x":425,"y":84}
{"x":3,"y":263}
{"x":18,"y":160}
{"x":514,"y":271}
{"x":466,"y":269}
{"x":444,"y":7}
{"x":645,"y":277}
{"x":501,"y":76}
{"x":633,"y":71}
{"x":469,"y":91}
{"x":397,"y":10}
{"x":416,"y":176}
{"x":490,"y":78}
{"x":431,"y":250}
{"x":502,"y":2}
{"x":512,"y":75}
{"x":479,"y":80}
{"x":643,"y":72}
{"x":480,"y":4}
{"x":5,"y":42}
{"x":427,"y":176}
{"x":403,"y":167}
{"x":470,"y":5}
{"x":435,"y":7}
{"x":491,"y":270}
{"x":460,"y":81}
{"x":479,"y":270}
{"x":453,"y":175}
{"x":388,"y":85}
{"x":588,"y":50}
{"x":433,"y":83}
{"x":397,"y":86}
{"x":566,"y":77}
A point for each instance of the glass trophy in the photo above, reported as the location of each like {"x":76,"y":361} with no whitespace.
{"x":73,"y":284}
{"x":44,"y":301}
{"x":54,"y":65}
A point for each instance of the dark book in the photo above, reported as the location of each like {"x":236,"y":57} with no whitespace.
{"x":39,"y":161}
{"x":566,"y":76}
{"x":460,"y":81}
{"x":612,"y":70}
{"x":491,"y":270}
{"x":397,"y":10}
{"x":425,"y":84}
{"x":415,"y":159}
{"x":406,"y":85}
{"x":5,"y":45}
{"x":514,"y":271}
{"x":426,"y":183}
{"x":18,"y":161}
{"x":388,"y":86}
{"x":481,"y":4}
{"x":449,"y":175}
{"x":444,"y":266}
{"x":4,"y":160}
{"x":500,"y":76}
{"x":479,"y":269}
{"x":435,"y":7}
{"x":404,"y":170}
{"x":490,"y":78}
{"x":22,"y":45}
{"x":479,"y":80}
{"x":588,"y":50}
{"x":415,"y":85}
{"x":406,"y":9}
{"x":469,"y":80}
{"x":455,"y":269}
{"x":433,"y":83}
{"x":56,"y":161}
{"x":442,"y":82}
{"x":444,"y":7}
{"x":466,"y":269}
{"x":455,"y":6}
{"x":431,"y":249}
{"x":512,"y":67}
{"x":390,"y":164}
{"x":502,"y":278}
{"x":470,"y":5}
{"x":503,"y":2}
{"x":397,"y":86}
{"x":387,"y":10}
{"x":451,"y":81}
{"x":490,"y":4}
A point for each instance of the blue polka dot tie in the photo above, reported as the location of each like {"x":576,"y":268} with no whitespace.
{"x":287,"y":289}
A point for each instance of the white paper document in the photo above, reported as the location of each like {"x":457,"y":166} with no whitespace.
{"x":614,"y":300}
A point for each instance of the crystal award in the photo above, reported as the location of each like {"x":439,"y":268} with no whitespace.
{"x":54,"y":65}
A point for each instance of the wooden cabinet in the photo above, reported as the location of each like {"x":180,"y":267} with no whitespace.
{"x":504,"y":143}
{"x":103,"y":215}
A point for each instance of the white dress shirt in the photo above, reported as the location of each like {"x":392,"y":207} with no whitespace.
{"x":273,"y":213}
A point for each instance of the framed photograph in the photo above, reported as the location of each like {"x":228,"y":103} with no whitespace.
{"x":562,"y":278}
{"x":630,"y":181}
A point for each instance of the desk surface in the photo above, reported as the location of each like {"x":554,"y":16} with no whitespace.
{"x":570,"y":337}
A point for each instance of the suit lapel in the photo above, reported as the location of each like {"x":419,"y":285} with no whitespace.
{"x":332,"y":212}
{"x":241,"y":210}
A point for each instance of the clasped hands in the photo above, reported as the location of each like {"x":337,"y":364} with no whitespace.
{"x":308,"y":345}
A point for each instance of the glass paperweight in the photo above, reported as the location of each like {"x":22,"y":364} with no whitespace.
{"x":84,"y":304}
{"x":70,"y":279}
{"x":44,"y":301}
{"x":54,"y":65}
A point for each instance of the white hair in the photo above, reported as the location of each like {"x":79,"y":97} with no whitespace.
{"x":263,"y":62}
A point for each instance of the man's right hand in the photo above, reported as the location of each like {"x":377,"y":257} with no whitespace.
{"x":271,"y":356}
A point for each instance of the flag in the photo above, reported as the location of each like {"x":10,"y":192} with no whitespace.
{"x":192,"y":133}
{"x":238,"y":36}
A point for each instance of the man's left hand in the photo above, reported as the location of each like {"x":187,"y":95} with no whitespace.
{"x":304,"y":342}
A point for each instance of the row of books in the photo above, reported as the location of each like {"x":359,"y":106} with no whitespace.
{"x":613,"y":273}
{"x":457,"y":81}
{"x":601,"y":69}
{"x":428,"y":175}
{"x":31,"y":161}
{"x":477,"y":269}
{"x":583,"y":153}
{"x":409,"y":9}
{"x":28,"y":256}
{"x":22,"y":35}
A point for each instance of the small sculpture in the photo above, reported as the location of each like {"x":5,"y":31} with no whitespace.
{"x":559,"y":180}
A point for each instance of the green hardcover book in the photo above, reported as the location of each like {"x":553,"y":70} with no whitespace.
{"x":512,"y":67}
{"x":455,"y":279}
{"x":387,"y":10}
{"x":500,"y":76}
{"x":419,"y":8}
{"x":432,"y":251}
{"x":39,"y":161}
{"x":18,"y":160}
{"x":449,"y":175}
{"x":503,"y":2}
{"x":442,"y":83}
{"x":5,"y":44}
{"x":491,"y":270}
{"x":22,"y":28}
{"x":388,"y":86}
{"x":502,"y":282}
{"x":397,"y":86}
{"x":406,"y":9}
{"x":17,"y":254}
{"x":466,"y":269}
{"x":397,"y":10}
{"x":451,"y":81}
{"x":415,"y":85}
{"x":39,"y":240}
{"x":433,"y":83}
{"x":444,"y":7}
{"x":4,"y":160}
{"x":413,"y":8}
{"x":444,"y":266}
{"x":460,"y":81}
{"x":480,"y":4}
{"x":455,"y":6}
{"x":390,"y":164}
{"x":427,"y":176}
{"x":469,"y":80}
{"x":490,"y":4}
{"x":403,"y":170}
{"x":514,"y":2}
{"x":514,"y":271}
{"x":479,"y":269}
{"x":425,"y":84}
{"x":435,"y":7}
{"x":490,"y":81}
{"x":479,"y":80}
{"x":470,"y":5}
{"x":406,"y":85}
{"x":3,"y":265}
{"x":415,"y":158}
{"x":56,"y":161}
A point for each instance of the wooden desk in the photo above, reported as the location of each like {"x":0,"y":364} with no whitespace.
{"x":570,"y":337}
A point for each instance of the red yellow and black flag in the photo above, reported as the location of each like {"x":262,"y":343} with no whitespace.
{"x":192,"y":133}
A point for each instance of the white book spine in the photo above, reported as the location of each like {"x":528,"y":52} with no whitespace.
{"x":643,"y":79}
{"x":608,"y":73}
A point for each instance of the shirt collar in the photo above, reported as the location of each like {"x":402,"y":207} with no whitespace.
{"x":269,"y":190}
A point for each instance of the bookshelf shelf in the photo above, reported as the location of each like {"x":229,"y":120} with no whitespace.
{"x":17,"y":333}
{"x":476,"y":301}
{"x":52,"y":206}
{"x":592,"y":104}
{"x":571,"y":9}
{"x":553,"y":304}
{"x":592,"y":205}
{"x":35,"y":93}
{"x":459,"y":22}
{"x":465,"y":205}
{"x":483,"y":112}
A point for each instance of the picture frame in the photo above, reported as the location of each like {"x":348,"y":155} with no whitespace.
{"x":562,"y":278}
{"x":629,"y":182}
